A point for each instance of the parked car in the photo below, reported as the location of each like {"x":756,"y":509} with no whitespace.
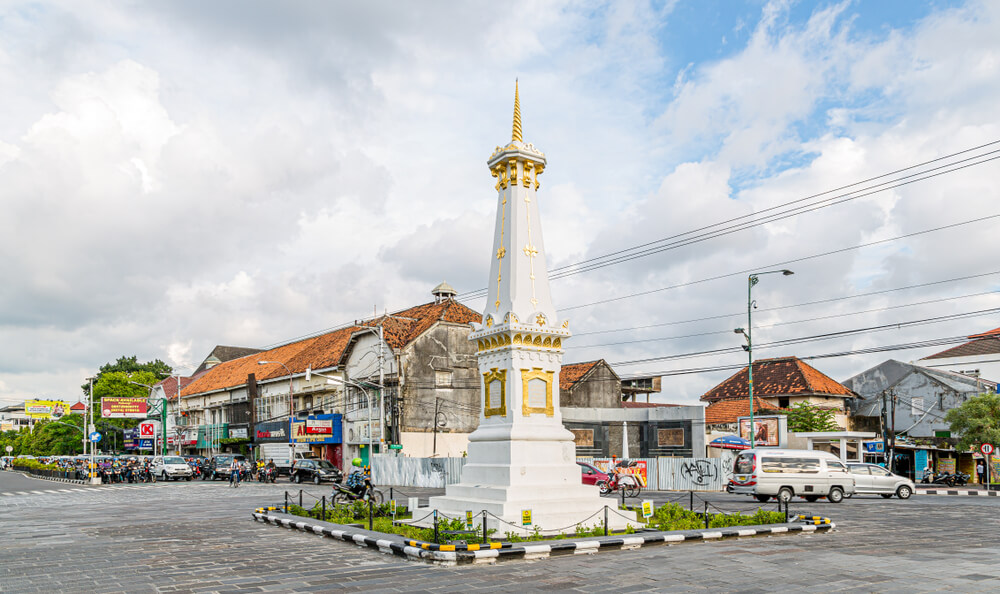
{"x":591,"y":474}
{"x":783,"y":474}
{"x":314,"y":470}
{"x":871,"y":478}
{"x":218,"y":466}
{"x":170,"y":468}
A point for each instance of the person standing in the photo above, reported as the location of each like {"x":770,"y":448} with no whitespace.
{"x":981,"y":471}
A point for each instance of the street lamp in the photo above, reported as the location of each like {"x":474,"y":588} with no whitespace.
{"x":330,"y":379}
{"x":748,"y":347}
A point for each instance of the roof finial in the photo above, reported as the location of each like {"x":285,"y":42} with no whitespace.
{"x":516,"y":134}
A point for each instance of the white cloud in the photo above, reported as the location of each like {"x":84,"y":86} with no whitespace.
{"x":177,"y":176}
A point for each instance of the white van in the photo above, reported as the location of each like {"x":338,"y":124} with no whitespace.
{"x":765,"y":473}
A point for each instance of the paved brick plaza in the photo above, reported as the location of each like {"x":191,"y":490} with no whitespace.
{"x":198,"y":537}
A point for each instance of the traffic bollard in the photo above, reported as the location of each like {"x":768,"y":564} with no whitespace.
{"x":324,"y":509}
{"x":485,"y":535}
{"x":300,"y":497}
{"x":436,"y":541}
{"x":706,"y":514}
{"x":605,"y":520}
{"x":286,"y":502}
{"x":691,"y":503}
{"x":370,"y":513}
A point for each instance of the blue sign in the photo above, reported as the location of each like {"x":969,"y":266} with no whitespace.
{"x":145,"y":444}
{"x":95,"y":437}
{"x":874,"y":447}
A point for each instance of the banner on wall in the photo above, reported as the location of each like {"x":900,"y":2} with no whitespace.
{"x":123,"y":408}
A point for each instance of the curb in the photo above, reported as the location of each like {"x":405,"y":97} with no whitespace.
{"x":462,"y":554}
{"x":962,"y":492}
{"x":52,"y":478}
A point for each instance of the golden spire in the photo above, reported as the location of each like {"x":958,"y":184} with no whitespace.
{"x":516,"y":134}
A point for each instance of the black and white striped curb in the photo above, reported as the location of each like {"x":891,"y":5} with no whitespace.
{"x":396,"y":545}
{"x":963,"y":492}
{"x":53,"y":478}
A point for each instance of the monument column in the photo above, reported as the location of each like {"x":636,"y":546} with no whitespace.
{"x":520,"y":457}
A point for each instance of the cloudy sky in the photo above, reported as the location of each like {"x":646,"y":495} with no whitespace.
{"x":176,"y":175}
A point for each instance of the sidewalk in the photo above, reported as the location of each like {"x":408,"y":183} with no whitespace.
{"x":974,"y":490}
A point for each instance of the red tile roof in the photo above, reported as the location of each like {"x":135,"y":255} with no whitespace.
{"x":778,"y":377}
{"x":991,"y":333}
{"x":573,"y":373}
{"x":989,"y":345}
{"x":327,"y":350}
{"x":78,"y":406}
{"x":170,"y":386}
{"x":727,"y":411}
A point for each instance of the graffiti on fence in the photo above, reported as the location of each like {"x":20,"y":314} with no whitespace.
{"x":699,"y":472}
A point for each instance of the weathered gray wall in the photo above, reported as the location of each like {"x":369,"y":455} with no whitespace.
{"x":600,"y":389}
{"x":443,"y":348}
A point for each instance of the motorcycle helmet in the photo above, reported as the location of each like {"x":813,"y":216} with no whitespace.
{"x":356,"y":462}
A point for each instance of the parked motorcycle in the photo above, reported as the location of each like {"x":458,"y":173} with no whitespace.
{"x":941,"y":478}
{"x":960,"y":478}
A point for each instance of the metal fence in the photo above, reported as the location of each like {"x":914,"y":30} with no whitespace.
{"x":662,"y":474}
{"x":416,"y":472}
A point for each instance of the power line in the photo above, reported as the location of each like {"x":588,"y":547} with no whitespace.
{"x":647,"y":249}
{"x":814,"y":338}
{"x":831,"y":316}
{"x":821,"y":301}
{"x":780,"y":264}
{"x":866,"y":351}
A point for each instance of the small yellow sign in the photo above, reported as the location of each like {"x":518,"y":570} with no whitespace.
{"x":526,"y":517}
{"x":392,"y":506}
{"x":468,"y":519}
{"x":647,"y":509}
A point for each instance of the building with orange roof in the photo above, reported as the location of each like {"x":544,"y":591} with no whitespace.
{"x":783,"y":382}
{"x":979,"y":357}
{"x":421,"y":357}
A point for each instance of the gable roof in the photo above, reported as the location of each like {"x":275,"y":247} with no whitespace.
{"x":78,"y":406}
{"x":402,"y":327}
{"x":778,"y":377}
{"x":987,"y":343}
{"x":727,"y":411}
{"x":570,"y":375}
{"x":224,"y":353}
{"x":170,"y":385}
{"x":328,"y":349}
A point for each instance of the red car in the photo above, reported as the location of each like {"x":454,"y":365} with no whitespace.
{"x":591,"y":474}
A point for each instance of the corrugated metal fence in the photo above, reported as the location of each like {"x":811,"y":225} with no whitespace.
{"x":662,"y":474}
{"x":416,"y":472}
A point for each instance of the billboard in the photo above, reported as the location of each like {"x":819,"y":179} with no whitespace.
{"x":766,"y":432}
{"x":7,"y":426}
{"x":46,"y":409}
{"x":123,"y":408}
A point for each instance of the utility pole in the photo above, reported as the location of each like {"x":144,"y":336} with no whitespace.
{"x":381,"y":390}
{"x":892,"y":429}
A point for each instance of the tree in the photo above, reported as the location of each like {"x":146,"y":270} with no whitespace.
{"x":805,"y":417}
{"x":129,"y":366}
{"x":976,"y":421}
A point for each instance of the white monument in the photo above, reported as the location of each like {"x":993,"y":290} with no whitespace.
{"x":521,"y":457}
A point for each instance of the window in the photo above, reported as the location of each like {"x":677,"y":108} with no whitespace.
{"x":835,"y":466}
{"x":917,"y":406}
{"x":859,"y":470}
{"x":442,"y":379}
{"x":744,"y":463}
{"x":790,"y":465}
{"x":879,"y":471}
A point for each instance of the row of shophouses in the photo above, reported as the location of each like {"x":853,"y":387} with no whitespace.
{"x":408,"y":384}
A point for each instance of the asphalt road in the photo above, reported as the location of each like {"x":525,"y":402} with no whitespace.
{"x":198,"y":537}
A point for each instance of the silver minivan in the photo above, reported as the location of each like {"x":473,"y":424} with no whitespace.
{"x":765,"y":473}
{"x":171,"y":467}
{"x":871,"y":478}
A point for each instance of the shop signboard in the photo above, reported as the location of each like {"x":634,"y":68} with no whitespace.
{"x":874,"y":447}
{"x":129,"y":438}
{"x":145,"y":444}
{"x":124,"y":408}
{"x":319,"y":426}
{"x":302,"y":434}
{"x":239,"y":432}
{"x":7,"y":426}
{"x":271,"y":432}
{"x":46,"y":409}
